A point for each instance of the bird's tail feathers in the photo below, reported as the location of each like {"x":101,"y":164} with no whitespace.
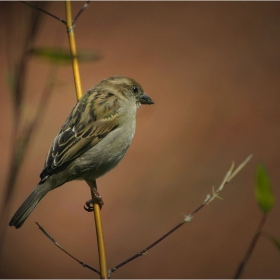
{"x":29,"y":204}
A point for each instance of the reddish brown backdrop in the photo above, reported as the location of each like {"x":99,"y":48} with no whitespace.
{"x":213,"y":70}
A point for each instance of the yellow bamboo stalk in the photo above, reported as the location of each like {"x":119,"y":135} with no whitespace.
{"x":73,"y":50}
{"x":79,"y":93}
{"x":100,"y":242}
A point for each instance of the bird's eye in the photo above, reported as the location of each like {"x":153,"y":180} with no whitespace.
{"x":135,"y":89}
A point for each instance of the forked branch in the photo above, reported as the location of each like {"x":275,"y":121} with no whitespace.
{"x":209,"y":198}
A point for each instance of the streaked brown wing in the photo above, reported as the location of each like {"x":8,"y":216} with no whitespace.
{"x":93,"y":117}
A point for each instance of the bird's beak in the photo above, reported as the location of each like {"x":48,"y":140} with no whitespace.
{"x":145,"y":99}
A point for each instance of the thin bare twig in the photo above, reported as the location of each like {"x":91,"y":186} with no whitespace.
{"x":79,"y":13}
{"x":43,"y":11}
{"x":143,"y":252}
{"x":230,"y":174}
{"x":57,"y":245}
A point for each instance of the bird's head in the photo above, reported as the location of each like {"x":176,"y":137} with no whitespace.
{"x":129,"y":89}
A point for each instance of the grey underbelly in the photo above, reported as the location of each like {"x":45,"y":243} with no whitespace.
{"x":103,"y":157}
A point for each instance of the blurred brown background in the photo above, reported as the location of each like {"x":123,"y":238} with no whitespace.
{"x":213,"y":70}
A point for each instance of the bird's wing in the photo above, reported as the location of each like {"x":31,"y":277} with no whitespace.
{"x":93,"y":117}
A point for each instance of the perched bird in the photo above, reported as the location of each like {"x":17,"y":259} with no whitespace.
{"x":92,"y":141}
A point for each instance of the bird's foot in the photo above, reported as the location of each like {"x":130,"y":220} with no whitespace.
{"x":96,"y":199}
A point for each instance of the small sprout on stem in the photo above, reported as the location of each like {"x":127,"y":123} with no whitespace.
{"x":188,"y":218}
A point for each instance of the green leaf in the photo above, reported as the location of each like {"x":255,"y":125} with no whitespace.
{"x":264,"y":194}
{"x":62,"y":56}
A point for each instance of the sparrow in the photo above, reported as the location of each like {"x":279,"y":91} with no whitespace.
{"x":92,"y":141}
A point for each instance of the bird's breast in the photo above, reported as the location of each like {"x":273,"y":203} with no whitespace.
{"x":104,"y":156}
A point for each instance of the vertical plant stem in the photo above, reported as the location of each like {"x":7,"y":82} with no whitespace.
{"x":250,"y":249}
{"x":100,"y":242}
{"x":97,"y":216}
{"x":73,"y":49}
